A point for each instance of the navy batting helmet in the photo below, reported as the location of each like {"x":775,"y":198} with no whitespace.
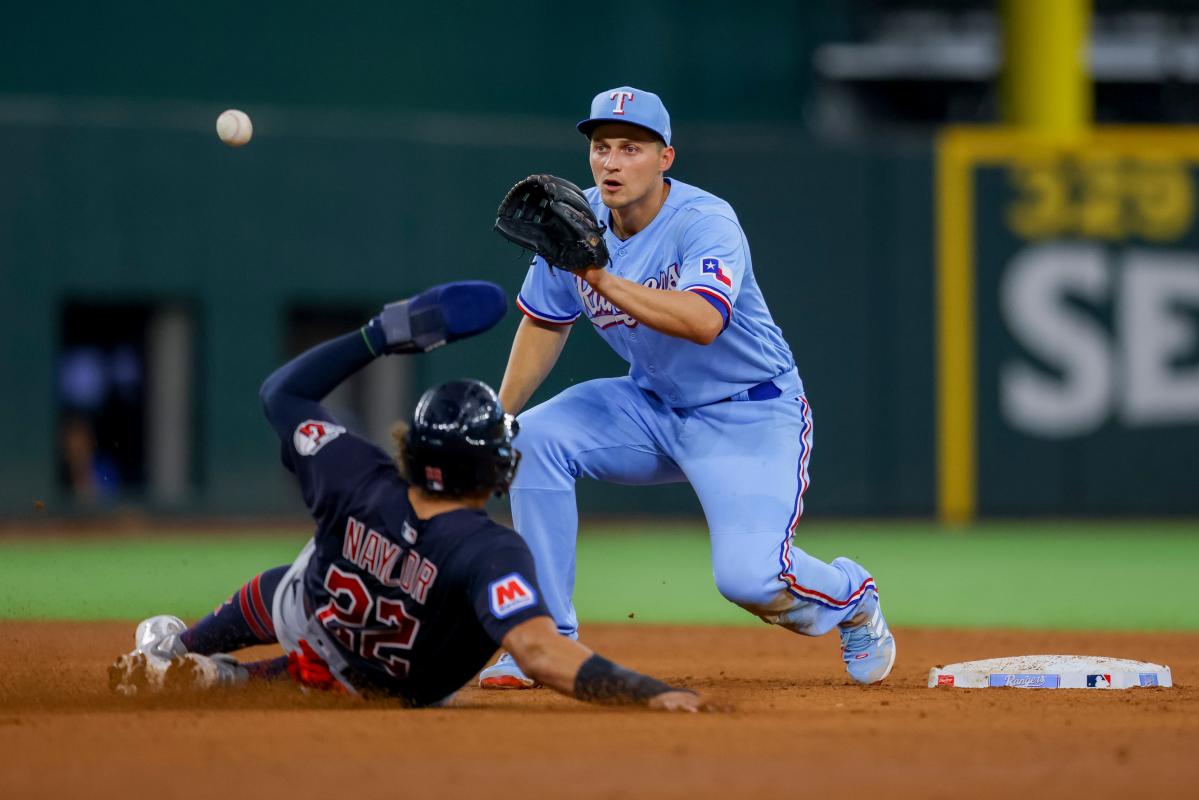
{"x":460,"y":441}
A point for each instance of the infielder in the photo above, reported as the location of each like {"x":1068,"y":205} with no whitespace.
{"x":712,"y":397}
{"x":408,"y":587}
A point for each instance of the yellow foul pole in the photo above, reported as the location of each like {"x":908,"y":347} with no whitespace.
{"x":1046,"y":83}
{"x":1045,"y":88}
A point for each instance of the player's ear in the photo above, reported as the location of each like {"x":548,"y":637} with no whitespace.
{"x":667,"y":158}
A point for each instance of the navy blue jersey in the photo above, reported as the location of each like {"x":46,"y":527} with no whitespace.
{"x":416,"y":606}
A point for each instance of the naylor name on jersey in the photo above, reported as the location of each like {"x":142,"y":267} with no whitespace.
{"x":373,"y":552}
{"x":601,"y":311}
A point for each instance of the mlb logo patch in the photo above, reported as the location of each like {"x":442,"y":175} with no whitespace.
{"x":510,"y":594}
{"x":1099,"y":681}
{"x":313,"y":434}
{"x":714,"y":266}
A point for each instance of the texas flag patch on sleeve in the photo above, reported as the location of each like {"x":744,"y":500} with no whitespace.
{"x":313,"y":434}
{"x":715,"y":267}
{"x":510,"y":594}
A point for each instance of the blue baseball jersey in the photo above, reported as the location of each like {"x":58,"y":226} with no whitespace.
{"x":694,"y":244}
{"x":415,"y":606}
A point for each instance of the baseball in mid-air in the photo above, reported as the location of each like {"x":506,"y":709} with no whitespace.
{"x":234,"y":127}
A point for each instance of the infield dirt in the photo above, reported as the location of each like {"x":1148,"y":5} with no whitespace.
{"x":798,"y":728}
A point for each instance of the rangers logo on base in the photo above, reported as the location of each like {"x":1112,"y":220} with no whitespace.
{"x":313,"y":434}
{"x":510,"y":594}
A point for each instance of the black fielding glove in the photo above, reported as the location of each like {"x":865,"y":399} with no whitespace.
{"x":551,"y":217}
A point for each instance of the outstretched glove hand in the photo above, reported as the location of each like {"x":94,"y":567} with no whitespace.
{"x":437,"y":316}
{"x":551,"y":217}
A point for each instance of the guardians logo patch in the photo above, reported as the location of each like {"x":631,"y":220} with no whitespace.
{"x":313,"y":434}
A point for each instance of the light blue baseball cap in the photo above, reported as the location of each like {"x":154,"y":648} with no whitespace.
{"x":633,"y":106}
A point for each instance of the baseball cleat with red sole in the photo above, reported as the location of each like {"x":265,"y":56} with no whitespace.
{"x":505,"y":674}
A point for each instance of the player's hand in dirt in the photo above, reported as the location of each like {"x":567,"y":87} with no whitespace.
{"x":676,"y":701}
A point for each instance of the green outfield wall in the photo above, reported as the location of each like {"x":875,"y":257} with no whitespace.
{"x":987,"y":323}
{"x":1063,"y":281}
{"x":141,"y":202}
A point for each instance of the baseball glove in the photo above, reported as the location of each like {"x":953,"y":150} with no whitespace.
{"x":551,"y":217}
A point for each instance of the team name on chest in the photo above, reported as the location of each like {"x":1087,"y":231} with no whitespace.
{"x":373,"y":552}
{"x":601,"y":311}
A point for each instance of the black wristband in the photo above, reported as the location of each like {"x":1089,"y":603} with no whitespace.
{"x":601,"y":681}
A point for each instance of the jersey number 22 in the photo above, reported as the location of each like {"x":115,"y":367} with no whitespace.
{"x":348,"y":613}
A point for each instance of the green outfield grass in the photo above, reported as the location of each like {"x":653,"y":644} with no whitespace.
{"x":1116,"y":576}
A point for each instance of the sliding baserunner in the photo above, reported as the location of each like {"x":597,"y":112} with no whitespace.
{"x":408,"y":587}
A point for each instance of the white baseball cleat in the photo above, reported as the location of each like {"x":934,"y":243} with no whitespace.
{"x":505,"y":674}
{"x":143,"y":669}
{"x":194,"y":672}
{"x":867,"y":644}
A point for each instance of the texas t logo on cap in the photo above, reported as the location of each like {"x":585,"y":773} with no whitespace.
{"x":620,"y":97}
{"x":631,"y":106}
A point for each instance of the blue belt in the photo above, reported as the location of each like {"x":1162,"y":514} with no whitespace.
{"x":763,"y":391}
{"x":766,"y":390}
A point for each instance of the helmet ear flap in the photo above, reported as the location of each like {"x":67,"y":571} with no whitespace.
{"x":507,"y":474}
{"x":425,"y":463}
{"x":507,"y":456}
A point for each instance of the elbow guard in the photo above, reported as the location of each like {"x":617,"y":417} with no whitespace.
{"x":440,"y":315}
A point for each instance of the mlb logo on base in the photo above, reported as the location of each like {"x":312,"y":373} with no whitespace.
{"x":510,"y":594}
{"x":1099,"y":681}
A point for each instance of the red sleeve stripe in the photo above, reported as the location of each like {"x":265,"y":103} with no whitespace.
{"x":712,"y":295}
{"x":542,"y":317}
{"x":708,"y":290}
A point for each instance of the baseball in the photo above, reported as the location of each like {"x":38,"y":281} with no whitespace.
{"x":234,"y":127}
